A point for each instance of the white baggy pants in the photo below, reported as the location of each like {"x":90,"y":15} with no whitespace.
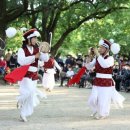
{"x":101,"y":98}
{"x":29,"y":96}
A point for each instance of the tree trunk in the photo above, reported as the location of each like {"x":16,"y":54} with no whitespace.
{"x":2,"y":36}
{"x":45,"y":35}
{"x":60,"y":41}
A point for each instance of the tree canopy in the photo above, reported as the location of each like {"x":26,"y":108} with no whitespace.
{"x":76,"y":24}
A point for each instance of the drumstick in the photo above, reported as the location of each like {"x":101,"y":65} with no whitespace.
{"x":50,"y":39}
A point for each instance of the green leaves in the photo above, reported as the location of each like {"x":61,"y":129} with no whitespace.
{"x":77,"y":24}
{"x":15,"y":42}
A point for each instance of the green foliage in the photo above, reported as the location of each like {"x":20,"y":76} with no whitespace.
{"x":15,"y":42}
{"x":115,"y":25}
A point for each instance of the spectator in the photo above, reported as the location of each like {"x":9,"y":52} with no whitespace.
{"x":126,"y":77}
{"x":117,"y":77}
{"x":79,"y":60}
{"x":60,"y":61}
{"x":7,"y":57}
{"x":69,"y":60}
{"x":76,"y":69}
{"x":2,"y":65}
{"x":13,"y":60}
{"x":69,"y":74}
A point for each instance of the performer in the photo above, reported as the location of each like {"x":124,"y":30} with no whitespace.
{"x":29,"y":55}
{"x":103,"y":91}
{"x":48,"y":81}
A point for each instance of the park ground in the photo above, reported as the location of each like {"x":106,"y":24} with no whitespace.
{"x":64,"y":109}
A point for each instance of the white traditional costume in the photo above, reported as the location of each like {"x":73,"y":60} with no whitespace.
{"x":29,"y":94}
{"x":103,"y":91}
{"x":48,"y":81}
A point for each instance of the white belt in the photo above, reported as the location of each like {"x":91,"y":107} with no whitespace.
{"x":100,"y":75}
{"x":33,"y":69}
{"x":51,"y":71}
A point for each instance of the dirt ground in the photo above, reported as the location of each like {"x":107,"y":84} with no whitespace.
{"x":64,"y":109}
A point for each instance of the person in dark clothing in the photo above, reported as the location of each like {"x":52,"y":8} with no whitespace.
{"x":117,"y":77}
{"x":3,"y":65}
{"x":126,"y":77}
{"x":69,"y":60}
{"x":13,"y":61}
{"x":66,"y":76}
{"x":79,"y":61}
{"x":7,"y":57}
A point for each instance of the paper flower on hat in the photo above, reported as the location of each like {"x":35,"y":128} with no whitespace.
{"x":115,"y":48}
{"x":23,"y":29}
{"x":11,"y":32}
{"x":111,"y":40}
{"x":101,"y":42}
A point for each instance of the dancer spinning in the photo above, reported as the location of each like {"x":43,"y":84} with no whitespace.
{"x":29,"y":55}
{"x":103,"y":91}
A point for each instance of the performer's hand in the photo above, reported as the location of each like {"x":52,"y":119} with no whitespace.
{"x":96,"y":52}
{"x":88,"y":60}
{"x":37,"y":55}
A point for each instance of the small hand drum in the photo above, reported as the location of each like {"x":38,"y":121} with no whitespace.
{"x":44,"y":47}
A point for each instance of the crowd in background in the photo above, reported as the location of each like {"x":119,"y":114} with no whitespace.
{"x":8,"y":62}
{"x":71,"y":65}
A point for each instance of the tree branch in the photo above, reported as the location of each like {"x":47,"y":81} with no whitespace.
{"x":17,"y":12}
{"x":91,"y":2}
{"x":52,"y":17}
{"x":97,"y":15}
{"x":60,"y":41}
{"x":54,"y":21}
{"x":72,"y":4}
{"x":2,"y":8}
